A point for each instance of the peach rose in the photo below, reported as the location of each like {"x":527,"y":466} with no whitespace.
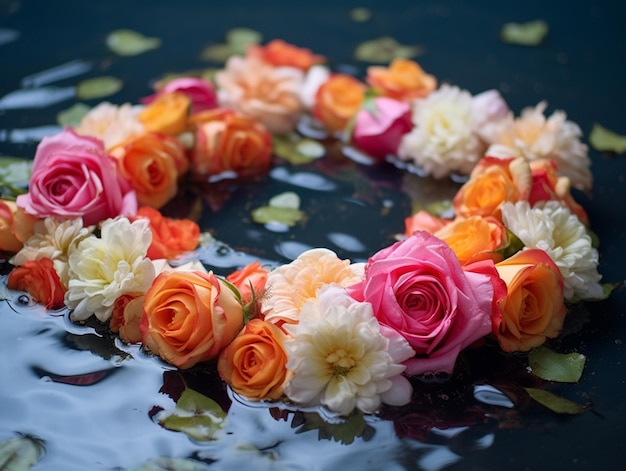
{"x":200,"y":91}
{"x":39,"y":279}
{"x":167,"y":114}
{"x":255,"y":363}
{"x":170,"y":237}
{"x":493,"y":182}
{"x":250,"y":281}
{"x":534,"y":307}
{"x":403,"y":80}
{"x":126,"y":317}
{"x":423,"y":221}
{"x":282,"y":54}
{"x":15,"y":226}
{"x":189,"y":317}
{"x":229,"y":141}
{"x":266,"y":93}
{"x":153,"y":163}
{"x":474,"y":238}
{"x":338,"y":100}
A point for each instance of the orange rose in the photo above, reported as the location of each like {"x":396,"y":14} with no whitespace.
{"x":280,"y":53}
{"x":170,"y":237}
{"x":126,"y":316}
{"x":15,"y":226}
{"x":167,"y":114}
{"x":423,"y":221}
{"x":403,"y":80}
{"x":153,"y":163}
{"x":534,"y":307}
{"x":189,"y":317}
{"x":227,"y":140}
{"x":338,"y":100}
{"x":254,"y":364}
{"x":493,"y":182}
{"x":250,"y":281}
{"x":474,"y":238}
{"x":39,"y":279}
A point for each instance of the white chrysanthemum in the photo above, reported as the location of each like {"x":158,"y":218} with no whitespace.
{"x":112,"y":124}
{"x":53,"y":238}
{"x":340,"y":358}
{"x":102,"y":269}
{"x":553,"y":228}
{"x":532,"y":136}
{"x":443,"y":138}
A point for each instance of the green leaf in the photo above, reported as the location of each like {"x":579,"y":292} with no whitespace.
{"x":240,"y":38}
{"x":282,"y":208}
{"x":556,"y":403}
{"x":553,"y":366}
{"x":360,"y":15}
{"x":98,"y":87}
{"x":524,"y":34}
{"x":384,"y":50}
{"x":20,"y":453}
{"x":126,"y":42}
{"x":297,"y":150}
{"x":196,"y":415}
{"x":15,"y":172}
{"x":73,"y":115}
{"x":605,"y":140}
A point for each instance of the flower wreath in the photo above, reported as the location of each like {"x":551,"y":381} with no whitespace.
{"x":88,"y":234}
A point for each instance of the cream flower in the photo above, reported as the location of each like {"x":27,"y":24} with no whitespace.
{"x":112,"y":124}
{"x":102,"y":269}
{"x":53,"y":238}
{"x":340,"y":358}
{"x":268,"y":94}
{"x":550,"y":226}
{"x":290,"y":286}
{"x":443,"y":139}
{"x":532,"y":136}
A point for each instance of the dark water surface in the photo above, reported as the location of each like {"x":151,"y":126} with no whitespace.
{"x":93,"y":405}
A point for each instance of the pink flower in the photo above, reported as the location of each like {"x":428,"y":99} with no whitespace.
{"x":200,"y":92}
{"x":74,"y":177}
{"x":418,"y":288}
{"x":378,"y":129}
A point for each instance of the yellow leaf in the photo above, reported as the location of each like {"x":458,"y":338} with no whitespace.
{"x":126,"y":42}
{"x":605,"y":140}
{"x":98,"y":87}
{"x":524,"y":34}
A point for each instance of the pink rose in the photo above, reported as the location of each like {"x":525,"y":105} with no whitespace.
{"x":418,"y":288}
{"x":200,"y":92}
{"x":74,"y":177}
{"x":378,"y":129}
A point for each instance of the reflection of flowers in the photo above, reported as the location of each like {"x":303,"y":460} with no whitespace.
{"x":341,"y":359}
{"x":102,"y":269}
{"x":402,"y":80}
{"x":553,"y":228}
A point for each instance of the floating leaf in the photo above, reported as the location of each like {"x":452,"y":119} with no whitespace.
{"x":73,"y":115}
{"x":524,"y":34}
{"x":240,"y":38}
{"x":15,"y":172}
{"x":216,"y":53}
{"x":126,"y":42}
{"x":384,"y":50}
{"x":360,"y":15}
{"x":172,"y":464}
{"x":556,"y":403}
{"x":98,"y":87}
{"x":20,"y":453}
{"x":605,"y":140}
{"x":297,"y":150}
{"x":196,"y":415}
{"x":282,"y":208}
{"x":553,"y":366}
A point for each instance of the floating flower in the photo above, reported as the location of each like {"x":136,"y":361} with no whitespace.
{"x":40,"y":280}
{"x":532,"y":136}
{"x":340,"y":358}
{"x":553,"y":228}
{"x":404,"y":80}
{"x":338,"y":100}
{"x":282,"y":54}
{"x":290,"y":286}
{"x":250,"y":281}
{"x":443,"y":139}
{"x":167,"y":113}
{"x":112,"y":124}
{"x":102,"y":269}
{"x":15,"y":226}
{"x":199,"y":91}
{"x":267,"y":94}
